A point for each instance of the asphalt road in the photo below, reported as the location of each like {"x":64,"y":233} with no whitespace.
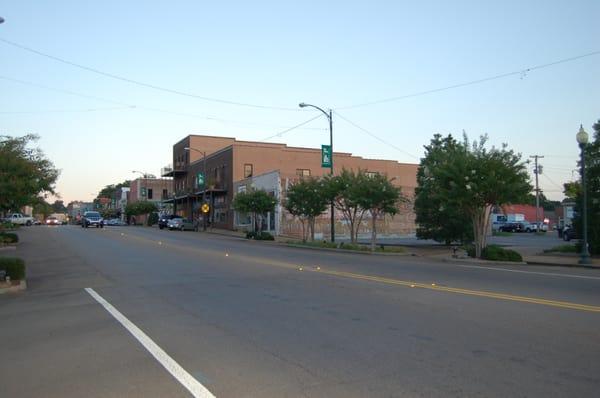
{"x":253,"y":319}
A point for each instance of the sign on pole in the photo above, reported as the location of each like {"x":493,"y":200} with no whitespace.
{"x":205,"y":208}
{"x":200,"y":179}
{"x":326,"y":156}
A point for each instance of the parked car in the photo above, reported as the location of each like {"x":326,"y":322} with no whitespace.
{"x":569,"y":233}
{"x":512,"y":227}
{"x":92,"y":218}
{"x":18,"y":218}
{"x":52,"y":220}
{"x":164,"y":220}
{"x":182,"y":224}
{"x":115,"y":222}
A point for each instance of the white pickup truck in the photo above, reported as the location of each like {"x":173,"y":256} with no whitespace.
{"x":18,"y":218}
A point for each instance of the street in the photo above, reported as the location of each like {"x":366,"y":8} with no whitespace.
{"x":252,"y":319}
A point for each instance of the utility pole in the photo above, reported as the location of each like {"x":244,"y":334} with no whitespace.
{"x":537,"y":170}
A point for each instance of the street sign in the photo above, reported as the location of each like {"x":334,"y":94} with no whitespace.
{"x":205,"y":208}
{"x":200,"y":179}
{"x":326,"y":156}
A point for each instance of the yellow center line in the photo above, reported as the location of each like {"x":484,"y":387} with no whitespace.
{"x":379,"y":279}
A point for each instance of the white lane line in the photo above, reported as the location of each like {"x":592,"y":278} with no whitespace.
{"x":189,"y":382}
{"x":528,"y":272}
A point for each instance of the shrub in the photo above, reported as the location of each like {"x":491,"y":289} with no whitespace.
{"x":353,"y":246}
{"x":497,"y":253}
{"x":263,"y":236}
{"x":152,"y":219}
{"x":8,"y":237}
{"x":14,"y":267}
{"x":250,"y":235}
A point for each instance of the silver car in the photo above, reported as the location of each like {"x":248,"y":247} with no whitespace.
{"x":181,"y":224}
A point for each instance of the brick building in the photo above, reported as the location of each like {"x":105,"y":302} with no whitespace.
{"x":230,"y":163}
{"x":156,"y":190}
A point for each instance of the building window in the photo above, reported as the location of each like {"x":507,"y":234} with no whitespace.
{"x":247,"y":170}
{"x":371,"y":174}
{"x":149,"y":193}
{"x":303,"y":172}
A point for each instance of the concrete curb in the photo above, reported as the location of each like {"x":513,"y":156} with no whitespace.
{"x":550,"y":264}
{"x":8,"y":248}
{"x":484,"y":262}
{"x":344,"y":250}
{"x":13,"y":289}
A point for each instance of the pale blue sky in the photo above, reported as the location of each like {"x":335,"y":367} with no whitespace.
{"x":332,"y":54}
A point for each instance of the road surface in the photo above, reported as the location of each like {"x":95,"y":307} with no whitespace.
{"x":170,"y":314}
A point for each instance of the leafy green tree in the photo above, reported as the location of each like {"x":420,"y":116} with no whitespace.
{"x":43,"y":208}
{"x":257,"y":203}
{"x":437,"y":215}
{"x":110,"y":191}
{"x":346,"y":192}
{"x":379,"y":197}
{"x":473,"y":179}
{"x":59,"y":206}
{"x":142,"y":207}
{"x":307,"y":199}
{"x":573,"y":190}
{"x":25,"y":173}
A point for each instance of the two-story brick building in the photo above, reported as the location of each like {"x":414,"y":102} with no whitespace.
{"x":229,"y":162}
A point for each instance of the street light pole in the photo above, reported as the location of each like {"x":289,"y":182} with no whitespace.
{"x":330,"y":117}
{"x":204,"y":187}
{"x":582,"y":140}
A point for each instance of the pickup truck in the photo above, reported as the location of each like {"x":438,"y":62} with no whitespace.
{"x":18,"y":218}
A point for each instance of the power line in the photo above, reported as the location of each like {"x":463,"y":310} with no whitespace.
{"x":521,"y":72}
{"x":132,"y":106}
{"x":554,"y":183}
{"x":292,"y":128}
{"x":28,"y":83}
{"x":375,"y":136}
{"x":143,"y":84}
{"x":64,"y":110}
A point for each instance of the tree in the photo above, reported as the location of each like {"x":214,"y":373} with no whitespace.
{"x":573,"y":190}
{"x":42,"y":208}
{"x":109,"y":191}
{"x":437,"y":215}
{"x":380,"y":197}
{"x":346,"y":192}
{"x":59,"y":206}
{"x":472,"y":179}
{"x":25,"y":173}
{"x":307,"y":199}
{"x":257,"y":203}
{"x":142,"y":207}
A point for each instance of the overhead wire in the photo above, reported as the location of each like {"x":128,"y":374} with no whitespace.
{"x":64,"y":110}
{"x":143,"y":84}
{"x":374,"y":136}
{"x":281,"y":133}
{"x":132,"y":106}
{"x":521,"y":72}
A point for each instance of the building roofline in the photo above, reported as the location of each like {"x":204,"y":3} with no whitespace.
{"x":237,"y":142}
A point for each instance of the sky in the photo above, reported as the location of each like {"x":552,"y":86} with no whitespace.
{"x":211,"y":57}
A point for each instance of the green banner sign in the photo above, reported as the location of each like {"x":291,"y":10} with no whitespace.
{"x":326,"y":156}
{"x":200,"y":179}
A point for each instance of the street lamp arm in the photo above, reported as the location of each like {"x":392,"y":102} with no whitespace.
{"x":303,"y":105}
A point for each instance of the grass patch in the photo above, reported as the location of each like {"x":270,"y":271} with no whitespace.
{"x":348,"y":246}
{"x":8,"y":237}
{"x":562,"y":249}
{"x":14,"y":267}
{"x":501,"y":233}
